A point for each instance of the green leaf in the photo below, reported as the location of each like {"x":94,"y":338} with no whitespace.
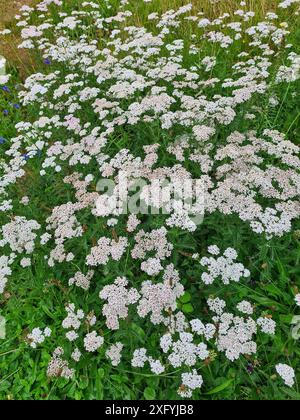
{"x":47,"y":311}
{"x":291,"y":393}
{"x":187,"y":308}
{"x":220,"y":388}
{"x":273,"y":290}
{"x":139,"y":332}
{"x":117,"y":378}
{"x":149,"y":393}
{"x":185,"y":298}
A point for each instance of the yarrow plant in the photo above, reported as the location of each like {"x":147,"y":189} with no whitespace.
{"x":152,"y":293}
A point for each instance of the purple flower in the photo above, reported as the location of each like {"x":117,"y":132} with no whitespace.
{"x":26,"y":156}
{"x":47,"y":61}
{"x":6,"y":112}
{"x":5,"y":88}
{"x":17,"y":106}
{"x":2,"y":140}
{"x":250,"y":368}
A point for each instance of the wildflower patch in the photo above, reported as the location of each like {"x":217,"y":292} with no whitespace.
{"x":149,"y":199}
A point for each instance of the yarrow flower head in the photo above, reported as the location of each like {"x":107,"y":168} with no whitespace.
{"x":190,"y":382}
{"x":114,"y":353}
{"x":287,"y":373}
{"x":92,"y":342}
{"x":38,"y":336}
{"x":224,"y":267}
{"x":118,"y":299}
{"x":58,"y":367}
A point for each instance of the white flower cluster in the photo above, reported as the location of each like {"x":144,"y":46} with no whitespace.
{"x":289,"y":73}
{"x":92,"y":342}
{"x":74,"y":318}
{"x":114,"y":353}
{"x":38,"y":336}
{"x":105,"y":249}
{"x":19,"y":234}
{"x":235,"y":336}
{"x":132,"y":223}
{"x":73,"y":322}
{"x":4,"y":78}
{"x":190,"y":382}
{"x":287,"y":373}
{"x":155,"y":241}
{"x":234,"y":333}
{"x":224,"y":267}
{"x":160,"y":298}
{"x":216,"y":305}
{"x":287,"y":3}
{"x":58,"y":367}
{"x":206,"y":330}
{"x":76,"y":355}
{"x":183,"y":351}
{"x":245,"y":307}
{"x":25,"y":262}
{"x":118,"y":299}
{"x":5,"y":270}
{"x":81,"y":280}
{"x":267,"y":325}
{"x":140,"y":358}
